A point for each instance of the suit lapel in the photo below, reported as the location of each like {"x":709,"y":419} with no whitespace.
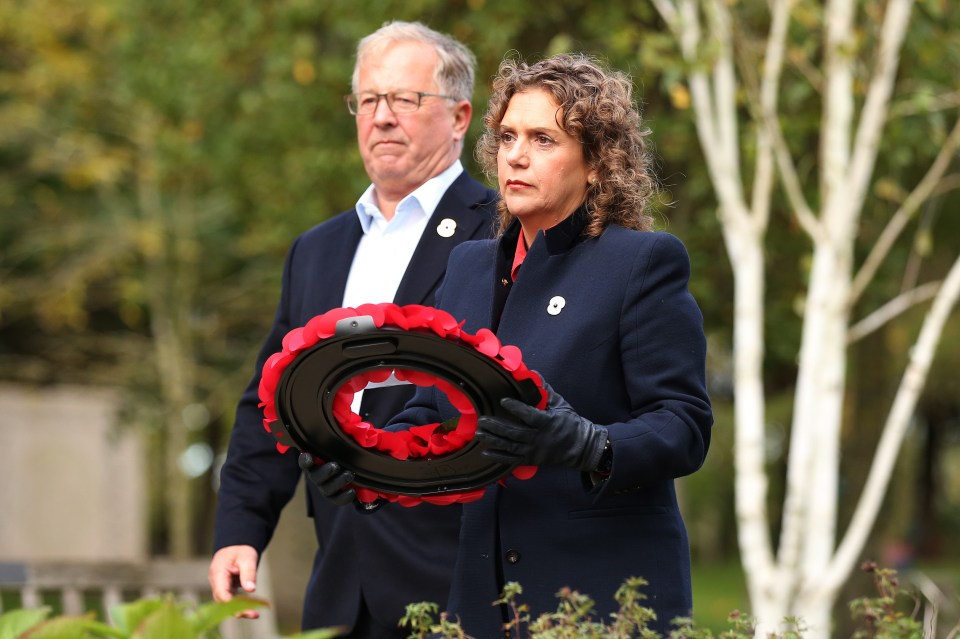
{"x":429,"y":261}
{"x":336,"y":262}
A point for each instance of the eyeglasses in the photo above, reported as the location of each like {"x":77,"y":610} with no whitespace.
{"x":397,"y":101}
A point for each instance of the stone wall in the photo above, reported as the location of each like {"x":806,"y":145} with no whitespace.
{"x":72,"y":486}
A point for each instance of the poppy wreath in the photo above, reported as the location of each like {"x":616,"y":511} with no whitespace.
{"x":306,"y":391}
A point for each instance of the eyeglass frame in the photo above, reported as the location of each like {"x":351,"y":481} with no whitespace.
{"x":353,"y":103}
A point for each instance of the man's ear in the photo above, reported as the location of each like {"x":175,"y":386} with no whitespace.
{"x":462,"y":112}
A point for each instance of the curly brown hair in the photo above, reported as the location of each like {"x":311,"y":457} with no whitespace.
{"x":596,"y":108}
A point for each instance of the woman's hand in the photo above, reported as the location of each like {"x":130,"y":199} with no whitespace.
{"x":555,"y":436}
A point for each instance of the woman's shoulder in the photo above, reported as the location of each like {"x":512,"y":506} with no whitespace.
{"x":617,"y":236}
{"x":474,"y":249}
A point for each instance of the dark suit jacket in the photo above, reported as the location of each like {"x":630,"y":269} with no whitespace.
{"x":382,"y":557}
{"x":627,"y":350}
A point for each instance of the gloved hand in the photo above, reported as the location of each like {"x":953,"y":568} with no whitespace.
{"x":329,"y":478}
{"x":555,"y":436}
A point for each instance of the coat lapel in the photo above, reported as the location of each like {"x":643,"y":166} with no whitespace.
{"x":460,"y":205}
{"x":336,"y":261}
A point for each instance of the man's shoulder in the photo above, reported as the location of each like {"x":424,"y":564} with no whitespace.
{"x":333,"y":226}
{"x":471,"y":194}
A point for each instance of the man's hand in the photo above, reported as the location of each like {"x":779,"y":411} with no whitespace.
{"x":234,"y":568}
{"x":329,"y":478}
{"x":555,"y":436}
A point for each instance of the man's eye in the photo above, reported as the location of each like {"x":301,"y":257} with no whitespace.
{"x":367,"y":100}
{"x":405,"y":99}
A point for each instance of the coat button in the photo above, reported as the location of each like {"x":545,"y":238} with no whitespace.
{"x":513,"y":556}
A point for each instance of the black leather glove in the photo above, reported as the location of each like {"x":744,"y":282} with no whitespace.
{"x":332,"y":481}
{"x":555,"y":436}
{"x":329,"y":478}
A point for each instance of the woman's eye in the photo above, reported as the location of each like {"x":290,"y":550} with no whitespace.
{"x":543,"y":139}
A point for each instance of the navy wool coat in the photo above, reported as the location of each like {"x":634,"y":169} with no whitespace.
{"x":610,"y":325}
{"x":358,"y":556}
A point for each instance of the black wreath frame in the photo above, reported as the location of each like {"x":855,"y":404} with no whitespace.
{"x":307,"y":387}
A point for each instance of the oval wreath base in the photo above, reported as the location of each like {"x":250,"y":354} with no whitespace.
{"x":306,"y":391}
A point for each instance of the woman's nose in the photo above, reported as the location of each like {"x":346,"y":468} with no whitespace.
{"x":517,"y":153}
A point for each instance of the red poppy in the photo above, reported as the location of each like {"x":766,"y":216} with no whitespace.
{"x":418,"y":441}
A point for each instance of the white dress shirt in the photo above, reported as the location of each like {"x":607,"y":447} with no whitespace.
{"x":385,"y":250}
{"x":387,"y":246}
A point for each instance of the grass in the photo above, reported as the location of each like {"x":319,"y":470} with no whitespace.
{"x":719,"y":588}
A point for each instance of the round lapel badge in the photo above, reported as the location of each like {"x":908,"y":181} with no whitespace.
{"x":447,"y":227}
{"x":556,"y":305}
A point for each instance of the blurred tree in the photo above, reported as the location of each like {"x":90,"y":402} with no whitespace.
{"x":833,"y":68}
{"x":161,"y":156}
{"x":156,"y":159}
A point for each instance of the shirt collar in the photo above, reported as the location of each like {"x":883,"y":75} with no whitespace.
{"x":424,"y":198}
{"x":518,"y":256}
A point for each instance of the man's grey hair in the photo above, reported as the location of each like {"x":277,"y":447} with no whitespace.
{"x":455,"y":66}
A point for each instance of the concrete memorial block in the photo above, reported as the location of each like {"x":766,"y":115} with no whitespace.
{"x":72,"y":485}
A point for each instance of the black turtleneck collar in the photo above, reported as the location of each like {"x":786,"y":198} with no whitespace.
{"x":559,"y":238}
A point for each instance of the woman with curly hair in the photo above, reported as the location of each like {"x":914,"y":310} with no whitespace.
{"x":599,"y":306}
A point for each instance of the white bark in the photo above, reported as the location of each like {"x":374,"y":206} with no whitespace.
{"x":911,"y":385}
{"x":803,"y":577}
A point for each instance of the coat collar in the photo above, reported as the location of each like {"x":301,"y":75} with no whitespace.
{"x":559,"y":239}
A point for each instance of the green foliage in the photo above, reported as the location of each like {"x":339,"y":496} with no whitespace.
{"x":156,"y":160}
{"x":877,"y":617}
{"x":16,"y":622}
{"x":880,"y":616}
{"x":151,"y":618}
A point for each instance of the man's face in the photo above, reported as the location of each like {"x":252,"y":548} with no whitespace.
{"x":402,"y":151}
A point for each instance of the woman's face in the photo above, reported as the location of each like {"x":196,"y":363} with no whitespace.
{"x":542,"y":174}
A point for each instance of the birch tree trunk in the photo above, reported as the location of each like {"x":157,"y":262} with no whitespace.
{"x":803,"y":577}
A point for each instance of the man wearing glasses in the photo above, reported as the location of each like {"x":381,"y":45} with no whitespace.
{"x":411,"y":100}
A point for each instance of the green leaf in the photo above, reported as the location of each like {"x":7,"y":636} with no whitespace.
{"x":127,"y":616}
{"x":72,"y":628}
{"x":166,"y":622}
{"x":321,"y":633}
{"x":16,"y":622}
{"x":209,"y":615}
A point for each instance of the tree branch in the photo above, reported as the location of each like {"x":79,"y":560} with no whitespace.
{"x":904,"y":403}
{"x":898,"y":305}
{"x":875,"y":106}
{"x":768,"y":94}
{"x":942,"y":102}
{"x":926,"y":187}
{"x":791,"y":182}
{"x":668,"y":11}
